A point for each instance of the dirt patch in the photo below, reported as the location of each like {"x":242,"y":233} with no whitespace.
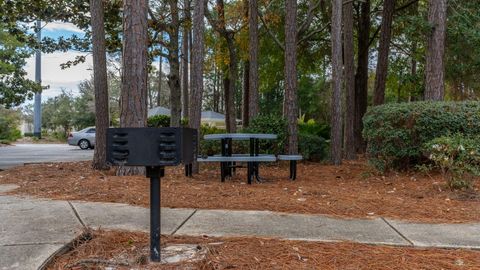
{"x":351,"y":190}
{"x":127,"y":250}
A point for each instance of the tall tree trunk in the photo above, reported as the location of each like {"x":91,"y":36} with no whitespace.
{"x":290,"y":99}
{"x":435,"y":66}
{"x":197,"y":71}
{"x":413,"y":67}
{"x":174,"y":76}
{"x":350,"y":151}
{"x":231,"y":77}
{"x":100,"y":85}
{"x":336,"y":129}
{"x":231,"y":118}
{"x":133,"y":106}
{"x":159,"y":87}
{"x":185,"y":56}
{"x":361,"y":77}
{"x":253,"y":109}
{"x":383,"y":51}
{"x":246,"y":94}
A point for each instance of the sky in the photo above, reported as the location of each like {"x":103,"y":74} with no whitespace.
{"x":52,"y":74}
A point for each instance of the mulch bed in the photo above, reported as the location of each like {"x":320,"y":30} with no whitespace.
{"x":352,"y":190}
{"x":127,"y":250}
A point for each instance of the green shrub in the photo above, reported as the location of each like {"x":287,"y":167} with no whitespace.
{"x":314,"y":128}
{"x":210,"y":147}
{"x":395,"y":133}
{"x":311,"y":146}
{"x":271,"y":124}
{"x":158,"y":121}
{"x":9,"y":122}
{"x":458,"y":157}
{"x":28,"y":134}
{"x":59,"y":135}
{"x":163,"y":121}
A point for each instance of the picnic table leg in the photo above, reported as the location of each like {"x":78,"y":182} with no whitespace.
{"x":251,"y":165}
{"x":249,"y":172}
{"x":229,"y":153}
{"x":293,"y":170}
{"x":223,"y":164}
{"x":256,"y":170}
{"x":257,"y":150}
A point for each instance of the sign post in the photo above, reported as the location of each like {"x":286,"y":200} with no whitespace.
{"x":153,"y":148}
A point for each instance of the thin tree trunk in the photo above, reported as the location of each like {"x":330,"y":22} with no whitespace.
{"x":290,"y":99}
{"x":336,"y":129}
{"x":350,"y":151}
{"x":159,"y":91}
{"x":185,"y":52}
{"x":133,"y":106}
{"x":197,"y":71}
{"x":174,"y":76}
{"x":246,"y":94}
{"x":100,"y":85}
{"x":361,"y":77}
{"x":216,"y":90}
{"x":230,"y":78}
{"x":383,"y":51}
{"x":413,"y":70}
{"x":435,"y":65}
{"x":253,"y":109}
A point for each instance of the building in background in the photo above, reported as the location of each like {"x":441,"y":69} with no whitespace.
{"x":210,"y":118}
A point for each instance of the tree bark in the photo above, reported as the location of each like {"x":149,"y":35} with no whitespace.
{"x":230,"y":78}
{"x":435,"y":66}
{"x":197,"y":71}
{"x":336,"y":121}
{"x":230,"y":92}
{"x":246,"y":94}
{"x":185,"y":52}
{"x":100,"y":85}
{"x":383,"y":51}
{"x":361,"y":76}
{"x":133,"y":105}
{"x":174,"y":76}
{"x":349,"y":61}
{"x":159,"y":91}
{"x":290,"y":100}
{"x":253,"y":108}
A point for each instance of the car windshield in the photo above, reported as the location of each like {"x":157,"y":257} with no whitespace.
{"x":84,"y":130}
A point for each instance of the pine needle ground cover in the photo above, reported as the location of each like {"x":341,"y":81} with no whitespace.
{"x":352,"y":190}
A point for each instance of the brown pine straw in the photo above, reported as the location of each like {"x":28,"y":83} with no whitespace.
{"x":120,"y":248}
{"x":352,"y":190}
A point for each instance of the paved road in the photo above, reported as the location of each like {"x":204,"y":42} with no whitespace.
{"x":20,"y":154}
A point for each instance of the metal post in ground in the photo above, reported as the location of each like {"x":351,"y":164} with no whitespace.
{"x":155,"y":173}
{"x":37,"y":108}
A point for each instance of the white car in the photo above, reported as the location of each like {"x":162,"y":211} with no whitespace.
{"x":84,"y":138}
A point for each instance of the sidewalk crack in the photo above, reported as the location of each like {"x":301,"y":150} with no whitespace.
{"x":397,"y":231}
{"x":185,"y":221}
{"x":77,"y":215}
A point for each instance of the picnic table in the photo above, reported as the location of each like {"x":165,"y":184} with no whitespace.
{"x":228,"y":159}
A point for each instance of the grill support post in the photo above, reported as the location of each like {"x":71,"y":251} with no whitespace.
{"x":155,"y":173}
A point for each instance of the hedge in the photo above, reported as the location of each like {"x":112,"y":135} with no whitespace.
{"x":395,"y":133}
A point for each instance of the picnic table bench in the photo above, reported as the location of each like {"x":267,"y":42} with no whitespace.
{"x":228,"y":159}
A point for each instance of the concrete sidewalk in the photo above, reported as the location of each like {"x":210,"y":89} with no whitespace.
{"x":33,"y":230}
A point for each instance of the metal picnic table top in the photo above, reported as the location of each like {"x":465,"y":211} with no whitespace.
{"x":241,"y":136}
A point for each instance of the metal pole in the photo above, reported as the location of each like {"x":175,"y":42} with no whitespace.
{"x":155,"y":173}
{"x":37,"y":109}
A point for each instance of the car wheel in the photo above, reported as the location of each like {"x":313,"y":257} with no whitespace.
{"x":84,"y":144}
